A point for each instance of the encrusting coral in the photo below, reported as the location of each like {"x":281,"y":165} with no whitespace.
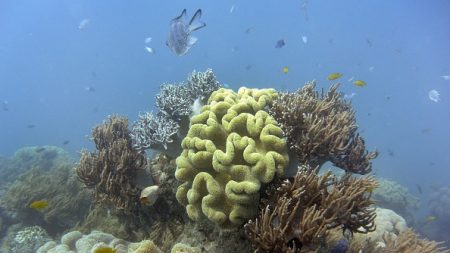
{"x":232,"y":147}
{"x":111,"y":171}
{"x":175,"y":103}
{"x":322,"y":127}
{"x":304,"y":209}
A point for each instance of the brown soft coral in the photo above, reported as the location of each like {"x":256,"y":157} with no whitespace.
{"x":111,"y":171}
{"x":322,"y":127}
{"x":306,"y":208}
{"x":410,"y":242}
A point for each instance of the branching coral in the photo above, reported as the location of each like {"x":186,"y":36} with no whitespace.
{"x":202,"y":84}
{"x":175,"y":103}
{"x":111,"y":171}
{"x":305,"y":208}
{"x":322,"y":127}
{"x":150,"y":131}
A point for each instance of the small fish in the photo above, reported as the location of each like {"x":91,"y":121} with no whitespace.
{"x":430,"y":218}
{"x":388,"y":97}
{"x":105,"y":249}
{"x":425,"y":130}
{"x":285,"y":70}
{"x":89,"y":89}
{"x":30,"y":126}
{"x":248,"y":67}
{"x":391,"y":153}
{"x":248,"y":30}
{"x":280,"y":43}
{"x":66,"y":142}
{"x":369,"y":42}
{"x":351,"y":79}
{"x":434,"y":96}
{"x":39,"y":150}
{"x":232,"y":8}
{"x":359,"y":83}
{"x":150,"y":50}
{"x":371,"y":69}
{"x":39,"y":204}
{"x":148,"y":40}
{"x":83,"y":24}
{"x":180,"y":39}
{"x":196,"y":107}
{"x":149,"y":195}
{"x":334,"y":76}
{"x":304,"y":39}
{"x":5,"y":105}
{"x":419,"y":188}
{"x":446,"y":78}
{"x":371,"y":189}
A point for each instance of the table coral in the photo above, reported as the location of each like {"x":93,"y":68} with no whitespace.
{"x":232,"y":147}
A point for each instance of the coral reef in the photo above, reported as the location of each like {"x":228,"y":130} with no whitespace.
{"x":66,"y":205}
{"x":391,"y":235}
{"x":26,"y":240}
{"x":396,"y":197}
{"x":232,"y":147}
{"x":75,"y":241}
{"x":175,"y":103}
{"x":322,"y":127}
{"x":304,"y":209}
{"x":44,"y":157}
{"x":111,"y":171}
{"x":439,"y":207}
{"x":162,"y":223}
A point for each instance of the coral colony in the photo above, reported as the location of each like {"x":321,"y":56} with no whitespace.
{"x":214,"y":170}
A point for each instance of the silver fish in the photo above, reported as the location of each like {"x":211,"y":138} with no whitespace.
{"x":180,"y":39}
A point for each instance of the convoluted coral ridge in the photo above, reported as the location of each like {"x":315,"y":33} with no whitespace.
{"x":232,"y":147}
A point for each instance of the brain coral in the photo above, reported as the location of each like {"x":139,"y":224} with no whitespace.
{"x":232,"y":147}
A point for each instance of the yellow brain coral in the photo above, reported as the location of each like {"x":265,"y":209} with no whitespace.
{"x":232,"y":147}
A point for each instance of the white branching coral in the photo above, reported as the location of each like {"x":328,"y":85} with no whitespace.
{"x":150,"y":131}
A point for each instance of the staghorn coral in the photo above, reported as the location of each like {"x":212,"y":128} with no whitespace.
{"x":112,"y":170}
{"x":232,"y":147}
{"x":304,"y":209}
{"x":67,"y":205}
{"x":175,"y":103}
{"x":153,"y":132}
{"x":202,"y":84}
{"x":174,"y":100}
{"x":322,"y":127}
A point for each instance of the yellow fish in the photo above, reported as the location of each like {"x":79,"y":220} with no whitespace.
{"x":105,"y":250}
{"x":39,"y":204}
{"x":359,"y":83}
{"x":285,"y":70}
{"x":430,"y":218}
{"x":334,"y":76}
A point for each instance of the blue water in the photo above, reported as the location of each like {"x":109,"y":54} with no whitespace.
{"x":46,"y":62}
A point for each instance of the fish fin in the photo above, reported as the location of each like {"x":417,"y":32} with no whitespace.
{"x":195,"y":22}
{"x":182,"y":15}
{"x":192,"y":41}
